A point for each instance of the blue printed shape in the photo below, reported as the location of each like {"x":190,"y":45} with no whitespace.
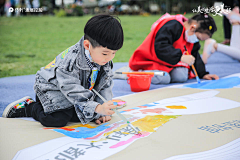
{"x":149,"y":105}
{"x":136,"y":108}
{"x":83,"y":132}
{"x":216,"y":84}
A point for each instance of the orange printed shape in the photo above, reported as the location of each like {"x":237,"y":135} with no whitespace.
{"x":142,"y":106}
{"x":129,"y":110}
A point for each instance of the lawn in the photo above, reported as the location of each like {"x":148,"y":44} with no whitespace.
{"x":28,"y":43}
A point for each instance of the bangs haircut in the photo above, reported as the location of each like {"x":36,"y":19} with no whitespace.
{"x":206,"y":23}
{"x":104,"y":30}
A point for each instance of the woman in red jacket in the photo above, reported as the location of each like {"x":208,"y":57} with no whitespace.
{"x":163,"y":49}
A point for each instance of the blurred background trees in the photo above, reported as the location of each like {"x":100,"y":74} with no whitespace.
{"x":81,"y":7}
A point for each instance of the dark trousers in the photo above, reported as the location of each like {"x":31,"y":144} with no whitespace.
{"x":55,"y":119}
{"x":227,"y":28}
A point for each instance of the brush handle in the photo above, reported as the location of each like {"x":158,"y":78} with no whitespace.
{"x":143,"y":73}
{"x":194,"y":69}
{"x":99,"y":95}
{"x":198,"y":79}
{"x":115,"y":110}
{"x":120,"y":115}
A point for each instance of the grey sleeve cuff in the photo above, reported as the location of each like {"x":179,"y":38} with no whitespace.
{"x":86,"y":112}
{"x":89,"y":109}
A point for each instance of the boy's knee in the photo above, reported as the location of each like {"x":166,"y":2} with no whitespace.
{"x":161,"y":79}
{"x":54,"y":122}
{"x":180,"y":79}
{"x":179,"y":75}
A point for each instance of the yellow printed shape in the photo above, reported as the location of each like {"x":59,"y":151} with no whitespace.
{"x":176,"y":107}
{"x":146,"y":124}
{"x":64,"y":53}
{"x":149,"y":123}
{"x":80,"y":125}
{"x":51,"y":64}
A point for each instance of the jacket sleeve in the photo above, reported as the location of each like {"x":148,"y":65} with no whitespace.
{"x":199,"y":65}
{"x":72,"y":89}
{"x":165,"y":37}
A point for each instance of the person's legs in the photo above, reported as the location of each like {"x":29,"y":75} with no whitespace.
{"x":179,"y":75}
{"x":74,"y":117}
{"x":210,"y":45}
{"x":228,"y":50}
{"x":55,"y":119}
{"x":160,"y":79}
{"x":235,"y":36}
{"x":234,"y":49}
{"x":19,"y":108}
{"x":208,"y":49}
{"x":227,"y":30}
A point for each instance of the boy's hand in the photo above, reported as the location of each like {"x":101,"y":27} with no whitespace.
{"x":189,"y":59}
{"x":211,"y":77}
{"x":105,"y":108}
{"x":103,"y":119}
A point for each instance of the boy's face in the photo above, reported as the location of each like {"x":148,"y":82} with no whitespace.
{"x":202,"y":36}
{"x":192,"y":30}
{"x":100,"y":55}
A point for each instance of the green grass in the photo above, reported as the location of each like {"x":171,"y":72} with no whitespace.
{"x":28,"y":43}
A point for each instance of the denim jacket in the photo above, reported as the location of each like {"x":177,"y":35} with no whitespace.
{"x":64,"y":84}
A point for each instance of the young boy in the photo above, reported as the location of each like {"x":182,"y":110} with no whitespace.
{"x":164,"y":48}
{"x":63,"y":87}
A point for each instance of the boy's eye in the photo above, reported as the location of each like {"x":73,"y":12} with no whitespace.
{"x":104,"y":54}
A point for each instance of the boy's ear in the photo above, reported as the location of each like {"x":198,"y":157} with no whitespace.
{"x":86,"y":44}
{"x":193,"y":27}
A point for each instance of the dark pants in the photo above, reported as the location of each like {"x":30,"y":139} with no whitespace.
{"x":227,"y":28}
{"x":55,"y":119}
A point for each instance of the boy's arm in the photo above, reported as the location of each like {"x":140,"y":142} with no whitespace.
{"x":165,"y":37}
{"x":71,"y":87}
{"x":199,"y":65}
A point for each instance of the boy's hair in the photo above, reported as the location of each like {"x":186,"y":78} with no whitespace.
{"x":206,"y":23}
{"x":104,"y":30}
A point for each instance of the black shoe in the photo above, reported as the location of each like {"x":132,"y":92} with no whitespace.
{"x":19,"y":108}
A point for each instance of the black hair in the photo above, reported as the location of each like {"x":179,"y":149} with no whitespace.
{"x":104,"y":30}
{"x":206,"y":23}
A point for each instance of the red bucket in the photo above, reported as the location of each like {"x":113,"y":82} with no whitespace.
{"x":139,"y":82}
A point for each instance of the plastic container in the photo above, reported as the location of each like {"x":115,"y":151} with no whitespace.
{"x":139,"y":83}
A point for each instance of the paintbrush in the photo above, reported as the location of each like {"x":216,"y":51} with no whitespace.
{"x":148,"y":73}
{"x":194,"y":70}
{"x":118,"y":113}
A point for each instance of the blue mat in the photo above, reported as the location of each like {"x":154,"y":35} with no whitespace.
{"x":14,"y":88}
